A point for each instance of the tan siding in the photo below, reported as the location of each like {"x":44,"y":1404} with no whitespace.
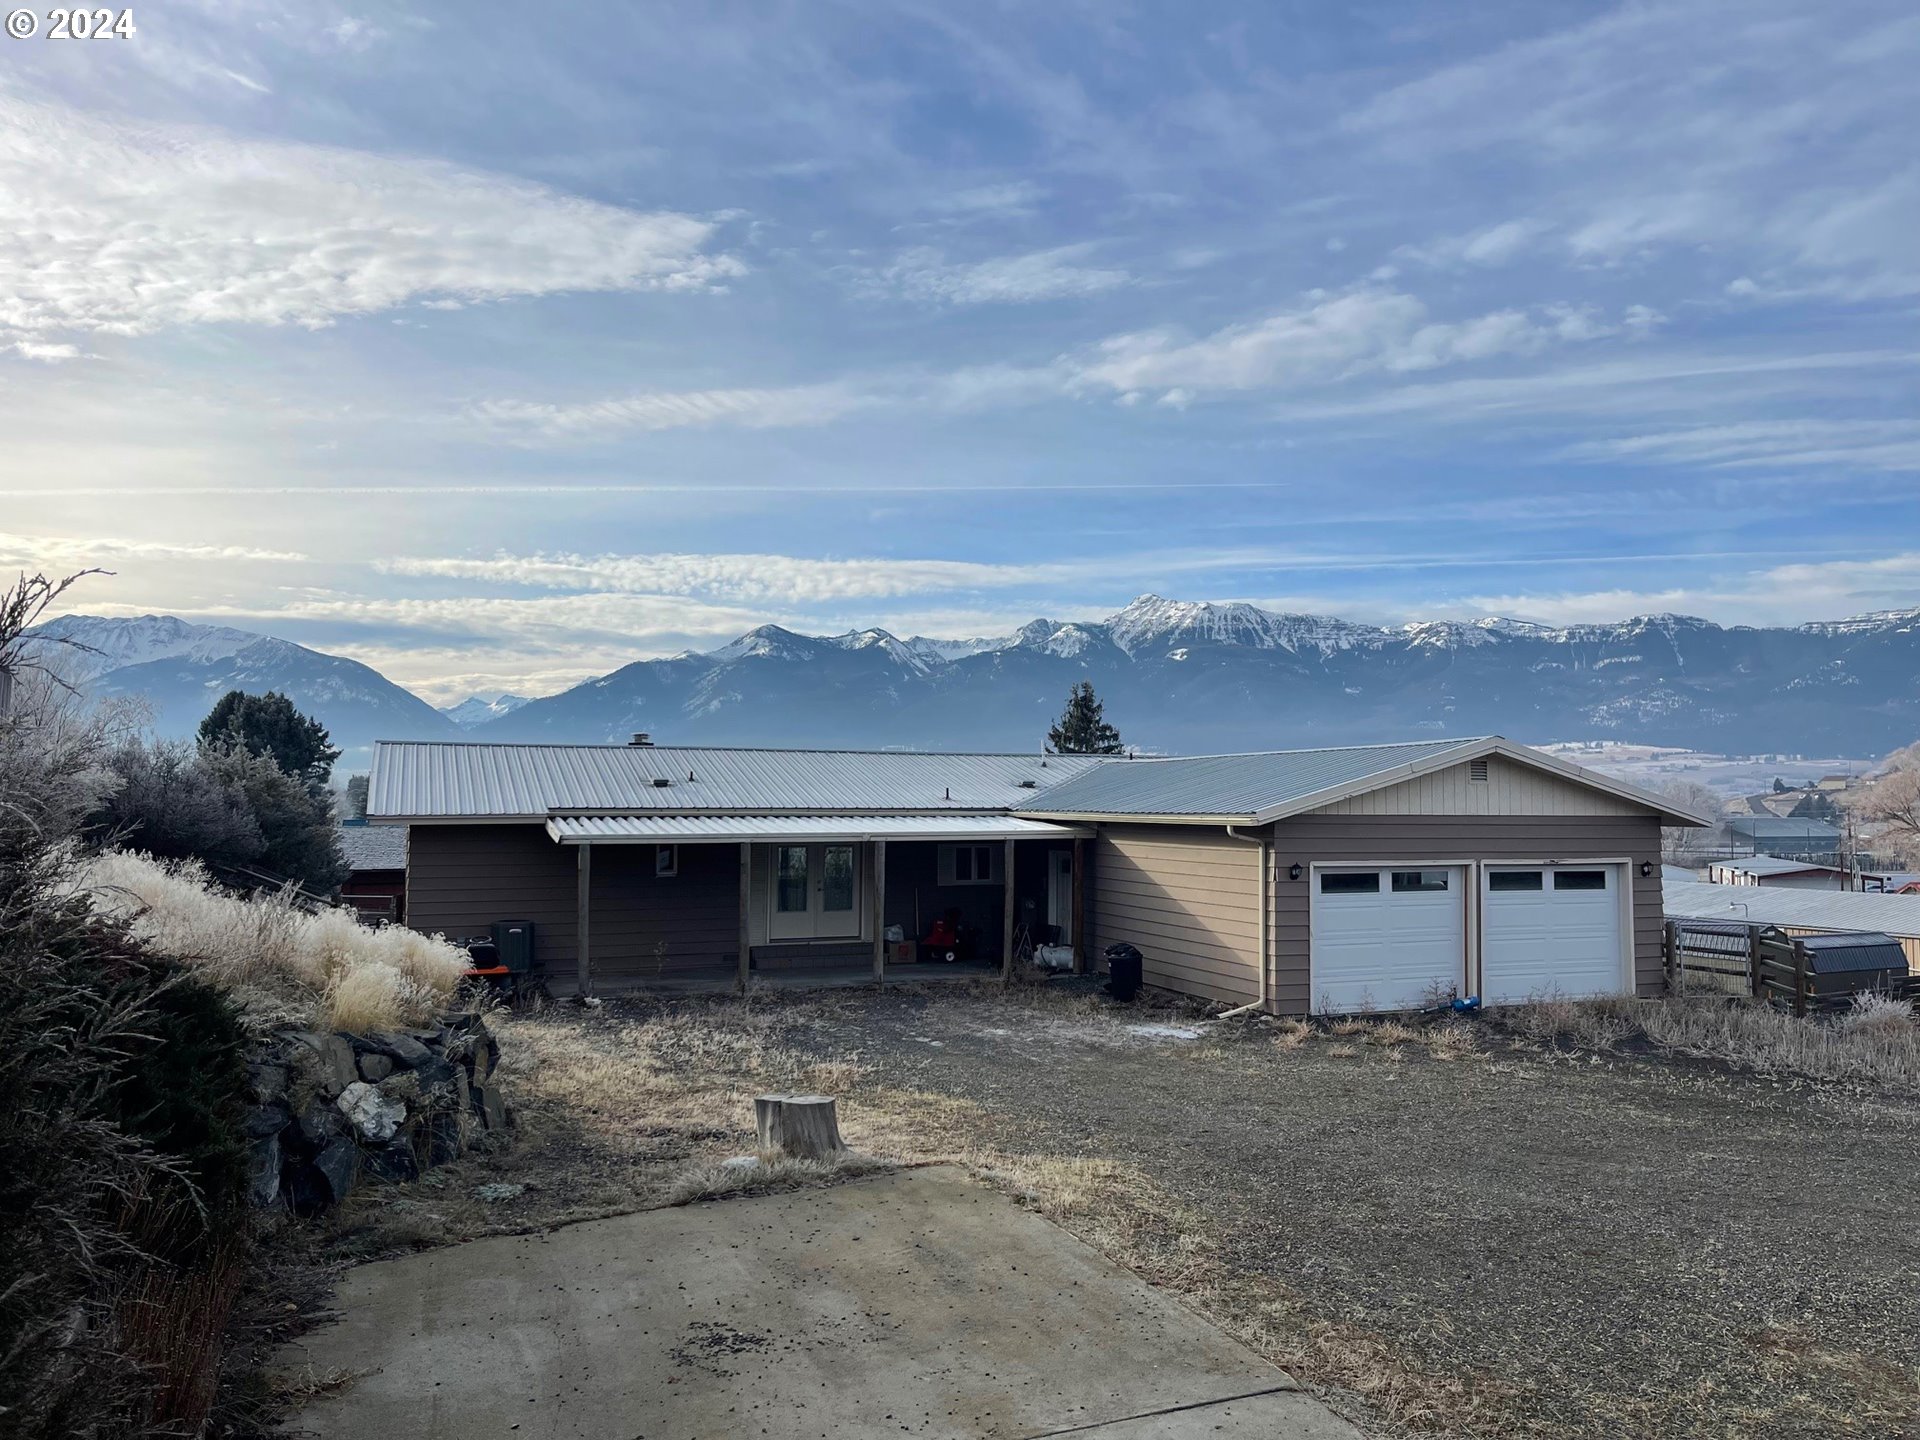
{"x":462,"y":878}
{"x":1509,"y":789}
{"x":1325,"y":837}
{"x":1188,"y":897}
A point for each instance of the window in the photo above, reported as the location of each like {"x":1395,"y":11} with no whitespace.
{"x":1409,"y":881}
{"x":1364,"y":882}
{"x":1477,"y":769}
{"x":666,"y":861}
{"x":790,"y":885}
{"x":1579,"y":879}
{"x":1498,"y":880}
{"x":970,"y":864}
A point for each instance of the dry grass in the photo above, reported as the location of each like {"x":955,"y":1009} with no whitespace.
{"x":1876,"y":1042}
{"x":279,"y":962}
{"x":1391,"y":1032}
{"x":1291,"y":1034}
{"x":768,"y":1171}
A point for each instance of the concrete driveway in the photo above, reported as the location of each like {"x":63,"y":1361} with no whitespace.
{"x":913,"y":1303}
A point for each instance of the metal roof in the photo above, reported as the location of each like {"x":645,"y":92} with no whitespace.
{"x":695,"y":829}
{"x":1238,"y":785}
{"x":1770,"y":865}
{"x":1258,"y":788}
{"x":429,"y":780}
{"x":1841,"y":910}
{"x":1775,"y":827}
{"x":1844,"y":954}
{"x":373,"y":847}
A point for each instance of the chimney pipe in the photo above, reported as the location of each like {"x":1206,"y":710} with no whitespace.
{"x":641,"y":738}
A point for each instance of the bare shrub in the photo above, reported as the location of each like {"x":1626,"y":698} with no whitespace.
{"x":1392,"y":1032}
{"x":1291,"y":1034}
{"x":1593,"y":1024}
{"x":1878,"y":1015}
{"x":1343,"y":1051}
{"x":279,"y":961}
{"x":1451,"y":1042}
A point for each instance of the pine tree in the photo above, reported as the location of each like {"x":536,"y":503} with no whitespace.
{"x":269,"y":725}
{"x":1081,"y":728}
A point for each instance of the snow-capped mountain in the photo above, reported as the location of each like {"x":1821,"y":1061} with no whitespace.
{"x":1176,"y":676}
{"x":1190,"y":676}
{"x":478,"y":709}
{"x":179,"y":669}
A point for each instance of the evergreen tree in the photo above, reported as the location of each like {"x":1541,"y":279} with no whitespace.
{"x":357,"y":796}
{"x":1081,"y":728}
{"x":269,"y":725}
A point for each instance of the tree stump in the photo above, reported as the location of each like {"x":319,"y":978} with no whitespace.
{"x":805,"y":1127}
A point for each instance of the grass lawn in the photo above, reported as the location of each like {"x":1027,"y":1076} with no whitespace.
{"x":1551,"y":1225}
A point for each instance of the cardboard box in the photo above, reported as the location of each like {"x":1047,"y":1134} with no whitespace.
{"x":903,"y":952}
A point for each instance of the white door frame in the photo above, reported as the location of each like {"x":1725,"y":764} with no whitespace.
{"x":791,"y":926}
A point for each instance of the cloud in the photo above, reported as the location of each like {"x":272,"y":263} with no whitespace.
{"x":676,"y":410}
{"x":1494,"y":245}
{"x":43,"y":351}
{"x":69,"y":552}
{"x":1010,"y":197}
{"x":1778,"y":595}
{"x":1884,"y":445}
{"x":925,"y":275}
{"x":157,"y":226}
{"x":1368,"y":331}
{"x":752,"y":578}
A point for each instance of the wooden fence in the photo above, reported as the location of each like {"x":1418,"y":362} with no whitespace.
{"x":1730,"y":958}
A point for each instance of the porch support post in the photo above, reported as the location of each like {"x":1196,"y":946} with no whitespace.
{"x":1006,"y":919}
{"x":746,"y":916}
{"x":879,"y":912}
{"x":583,"y":970}
{"x":1077,"y":916}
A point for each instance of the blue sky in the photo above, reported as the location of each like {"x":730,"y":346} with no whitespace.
{"x":498,"y":345}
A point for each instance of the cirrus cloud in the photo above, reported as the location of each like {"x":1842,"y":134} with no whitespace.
{"x":173,"y":225}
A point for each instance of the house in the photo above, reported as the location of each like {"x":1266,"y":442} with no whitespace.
{"x":1379,"y":876}
{"x":1804,"y":912}
{"x":376,"y":883}
{"x":1790,"y":838}
{"x":1772,"y":870}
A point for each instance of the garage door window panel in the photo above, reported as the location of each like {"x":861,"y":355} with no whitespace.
{"x":1514,"y":881}
{"x":1414,"y":882}
{"x":1357,"y":883}
{"x":1579,"y":879}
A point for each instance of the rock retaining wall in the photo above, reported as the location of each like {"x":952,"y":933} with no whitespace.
{"x":329,"y":1110}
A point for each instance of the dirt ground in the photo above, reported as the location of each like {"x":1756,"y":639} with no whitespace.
{"x":1443,"y":1230}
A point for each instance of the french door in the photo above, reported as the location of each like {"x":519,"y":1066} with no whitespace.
{"x":816,"y":892}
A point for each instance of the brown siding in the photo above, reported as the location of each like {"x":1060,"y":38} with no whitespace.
{"x":1323,"y":837}
{"x":462,"y":878}
{"x":1189,"y":898}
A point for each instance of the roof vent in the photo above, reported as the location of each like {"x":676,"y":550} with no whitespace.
{"x":949,"y":793}
{"x":1028,"y":784}
{"x":641,"y":738}
{"x":661,"y":782}
{"x":689,"y":777}
{"x":1477,"y":769}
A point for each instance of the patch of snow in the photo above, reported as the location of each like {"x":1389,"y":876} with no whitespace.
{"x":494,"y":1191}
{"x":741,"y":1162}
{"x":1155,"y":1030}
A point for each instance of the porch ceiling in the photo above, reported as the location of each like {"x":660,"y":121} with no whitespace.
{"x":719,"y":829}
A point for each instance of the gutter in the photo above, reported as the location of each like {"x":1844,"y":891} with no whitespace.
{"x":1266,"y":902}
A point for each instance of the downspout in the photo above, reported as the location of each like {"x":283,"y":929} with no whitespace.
{"x":1266,"y":905}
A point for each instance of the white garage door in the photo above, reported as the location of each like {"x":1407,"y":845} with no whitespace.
{"x":1387,"y":939}
{"x":1550,"y":930}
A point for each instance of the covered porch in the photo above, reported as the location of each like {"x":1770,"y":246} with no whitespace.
{"x":824,"y":899}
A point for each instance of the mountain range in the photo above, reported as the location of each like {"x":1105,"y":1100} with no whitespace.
{"x":1176,"y":676}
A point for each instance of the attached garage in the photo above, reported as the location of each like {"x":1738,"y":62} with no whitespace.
{"x":1391,"y":876}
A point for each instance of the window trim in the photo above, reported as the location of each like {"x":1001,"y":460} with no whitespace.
{"x":947,"y":863}
{"x":666,"y":862}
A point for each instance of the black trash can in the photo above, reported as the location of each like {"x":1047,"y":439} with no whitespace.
{"x":1123,"y":971}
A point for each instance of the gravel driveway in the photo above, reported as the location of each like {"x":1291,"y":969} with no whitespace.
{"x":1602,"y":1246}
